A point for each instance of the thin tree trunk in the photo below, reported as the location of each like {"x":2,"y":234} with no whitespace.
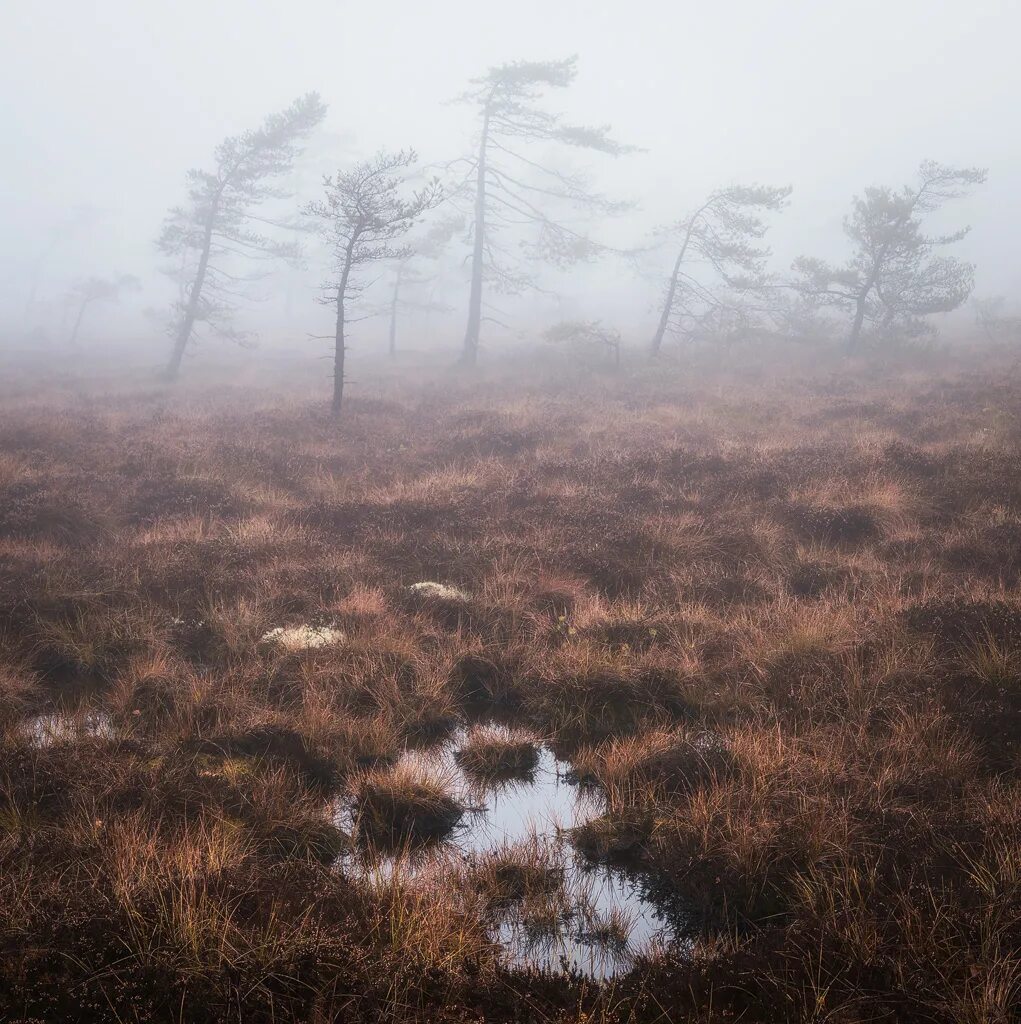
{"x":470,"y":355}
{"x":856,"y":326}
{"x":668,"y":307}
{"x":339,"y":346}
{"x":671,"y":295}
{"x":78,"y":322}
{"x":393,"y":311}
{"x":338,"y":359}
{"x":875,"y":273}
{"x":191,"y":312}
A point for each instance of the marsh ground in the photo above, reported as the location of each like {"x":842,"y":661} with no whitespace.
{"x":767,"y":618}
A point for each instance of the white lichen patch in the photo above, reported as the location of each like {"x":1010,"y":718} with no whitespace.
{"x":56,"y":727}
{"x":440,"y":591}
{"x":303,"y":638}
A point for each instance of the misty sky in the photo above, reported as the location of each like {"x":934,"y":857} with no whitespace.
{"x":109,"y":102}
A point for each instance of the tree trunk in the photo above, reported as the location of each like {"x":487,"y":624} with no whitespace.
{"x":339,"y":347}
{"x":338,"y":359}
{"x":856,"y":326}
{"x":393,"y":311}
{"x":668,"y":305}
{"x":78,"y":322}
{"x":873,"y":281}
{"x":470,"y":355}
{"x":195,"y":296}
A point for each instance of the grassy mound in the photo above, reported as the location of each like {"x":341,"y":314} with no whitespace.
{"x":408,"y":806}
{"x":497,"y":754}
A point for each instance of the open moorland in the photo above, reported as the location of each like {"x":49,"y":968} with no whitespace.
{"x":678,"y":694}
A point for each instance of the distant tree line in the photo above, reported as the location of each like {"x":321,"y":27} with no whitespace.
{"x":521,"y":209}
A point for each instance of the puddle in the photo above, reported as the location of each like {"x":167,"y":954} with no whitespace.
{"x":597,"y":921}
{"x":601,"y":923}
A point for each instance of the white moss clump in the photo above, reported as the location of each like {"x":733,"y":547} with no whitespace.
{"x":440,"y":591}
{"x":303,"y":638}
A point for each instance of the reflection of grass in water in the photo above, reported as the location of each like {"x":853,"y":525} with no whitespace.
{"x":517,"y":897}
{"x":566,"y":927}
{"x":532,"y":896}
{"x":523,"y":895}
{"x":546,"y":914}
{"x":377,"y":862}
{"x":603,"y":932}
{"x":518,"y":872}
{"x":610,"y":929}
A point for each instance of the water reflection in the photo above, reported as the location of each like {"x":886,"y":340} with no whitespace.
{"x":595,"y":919}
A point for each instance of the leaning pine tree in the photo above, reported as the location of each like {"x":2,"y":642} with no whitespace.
{"x":515,"y":190}
{"x":717,"y":260}
{"x":98,"y":289}
{"x":214,"y":229}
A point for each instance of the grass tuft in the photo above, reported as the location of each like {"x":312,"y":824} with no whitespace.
{"x":407,"y":805}
{"x":495,"y":754}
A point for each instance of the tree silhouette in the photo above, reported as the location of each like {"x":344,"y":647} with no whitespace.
{"x":365,"y":209}
{"x":721,"y":234}
{"x":514,"y":189}
{"x":216,"y":224}
{"x":894,"y":279}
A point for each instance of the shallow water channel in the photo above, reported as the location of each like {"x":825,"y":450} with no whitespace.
{"x":603,"y":921}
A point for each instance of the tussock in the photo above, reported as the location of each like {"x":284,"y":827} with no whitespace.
{"x":408,"y":805}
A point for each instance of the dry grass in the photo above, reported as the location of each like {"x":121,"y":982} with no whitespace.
{"x":493,"y":754}
{"x":770,"y":614}
{"x":410,"y":804}
{"x":521,"y":873}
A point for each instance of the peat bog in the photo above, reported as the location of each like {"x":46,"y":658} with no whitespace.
{"x":674,"y":694}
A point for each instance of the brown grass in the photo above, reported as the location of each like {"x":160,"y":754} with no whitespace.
{"x":492,"y":754}
{"x":409,"y":805}
{"x":771,"y":614}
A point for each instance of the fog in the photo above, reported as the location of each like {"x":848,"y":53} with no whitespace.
{"x":110,"y":103}
{"x":510,"y":511}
